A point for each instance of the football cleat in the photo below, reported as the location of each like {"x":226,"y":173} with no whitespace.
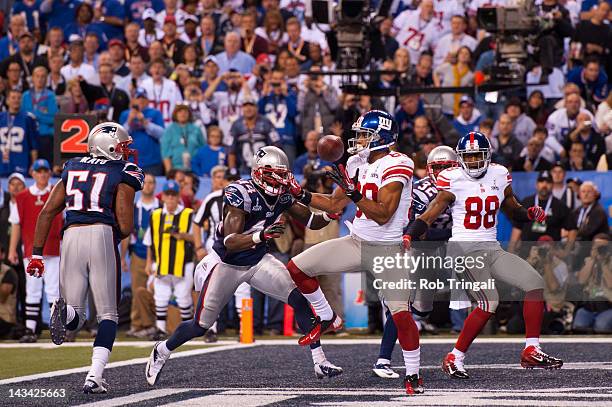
{"x":453,"y":367}
{"x":57,"y":323}
{"x":319,"y":328}
{"x":533,"y":357}
{"x":384,"y":371}
{"x":210,"y":336}
{"x":327,"y":369}
{"x":155,"y":364}
{"x":414,"y":385}
{"x":28,"y":337}
{"x":95,"y":385}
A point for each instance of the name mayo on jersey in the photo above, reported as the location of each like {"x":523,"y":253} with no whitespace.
{"x":394,"y":167}
{"x":477,"y":202}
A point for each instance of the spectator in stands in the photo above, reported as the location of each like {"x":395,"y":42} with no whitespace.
{"x":592,"y":35}
{"x":596,"y":276}
{"x":568,"y":89}
{"x":594,"y":144}
{"x":401,"y":58}
{"x":53,"y":46}
{"x":449,"y":44}
{"x":56,"y":81}
{"x":531,"y":158}
{"x":273,"y":31}
{"x":209,"y":43}
{"x":423,"y":72}
{"x":251,"y":43}
{"x":149,"y":33}
{"x":211,"y":154}
{"x":194,"y":97}
{"x":233,"y":57}
{"x":293,"y":74}
{"x":592,"y":81}
{"x":146,"y":126}
{"x":8,"y":297}
{"x":317,"y":103}
{"x":295,"y":44}
{"x":136,"y":76}
{"x":603,"y":117}
{"x":310,"y":157}
{"x":190,"y":35}
{"x":211,"y":73}
{"x":41,"y":102}
{"x":560,"y":189}
{"x":181,"y":139}
{"x":91,"y":45}
{"x":536,"y":108}
{"x":279,"y":105}
{"x":468,"y":118}
{"x":192,"y":61}
{"x":550,"y":39}
{"x":110,"y":18}
{"x":508,"y":146}
{"x":116,"y":99}
{"x":76,"y":67}
{"x":522,"y":125}
{"x":73,"y":101}
{"x":389,"y":43}
{"x":117,"y":51}
{"x":9,"y":43}
{"x":14,"y":78}
{"x":26,"y":58}
{"x":410,"y":107}
{"x":249,"y":133}
{"x":172,"y":44}
{"x":17,"y":124}
{"x":84,"y":17}
{"x":132,"y":46}
{"x":591,"y":217}
{"x":458,"y":72}
{"x":541,"y":134}
{"x":561,"y":122}
{"x":577,"y":160}
{"x":162,"y":92}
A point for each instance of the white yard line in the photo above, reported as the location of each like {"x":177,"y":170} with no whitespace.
{"x":135,"y":398}
{"x":566,"y":366}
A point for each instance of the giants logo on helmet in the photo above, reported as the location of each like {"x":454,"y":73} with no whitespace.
{"x":384,"y":124}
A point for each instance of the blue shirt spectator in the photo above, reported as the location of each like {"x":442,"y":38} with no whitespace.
{"x":59,"y":13}
{"x":19,"y":143}
{"x":116,"y":11}
{"x":310,"y":157}
{"x":233,"y":58}
{"x":41,"y":102}
{"x":181,"y":140}
{"x":135,"y":8}
{"x":31,"y":12}
{"x":210,"y":155}
{"x":468,"y":118}
{"x":146,"y":126}
{"x":592,"y":81}
{"x":280,"y":107}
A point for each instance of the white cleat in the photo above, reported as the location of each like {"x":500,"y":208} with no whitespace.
{"x":384,"y":371}
{"x":155,"y":364}
{"x":327,"y":369}
{"x":95,"y":385}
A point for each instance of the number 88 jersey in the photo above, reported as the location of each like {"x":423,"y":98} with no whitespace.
{"x":477,"y":202}
{"x":371,"y":178}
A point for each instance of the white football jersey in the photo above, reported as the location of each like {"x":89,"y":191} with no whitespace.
{"x":477,"y":202}
{"x":228,"y":109}
{"x":394,"y":167}
{"x":163,"y":97}
{"x":413,"y":33}
{"x":444,"y":10}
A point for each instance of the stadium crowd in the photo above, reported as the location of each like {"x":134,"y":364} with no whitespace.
{"x":203,"y":84}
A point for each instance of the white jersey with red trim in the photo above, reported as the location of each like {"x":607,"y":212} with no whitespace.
{"x":163,"y":97}
{"x":413,"y":33}
{"x":477,"y":202}
{"x":394,"y":167}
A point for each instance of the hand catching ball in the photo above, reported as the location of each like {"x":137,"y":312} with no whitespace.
{"x":330,"y":148}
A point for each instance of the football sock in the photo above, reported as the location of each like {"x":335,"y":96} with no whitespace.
{"x":381,"y":361}
{"x":303,"y":313}
{"x":163,"y":350}
{"x":99,"y":358}
{"x":32,"y":312}
{"x":458,"y":354}
{"x":107,"y":331}
{"x":412,"y":360}
{"x":407,"y":331}
{"x":161,"y":313}
{"x":533,"y":313}
{"x":471,"y":328}
{"x":320,"y":304}
{"x":70,"y":314}
{"x":317,"y":355}
{"x":161,"y":324}
{"x":388,"y":340}
{"x":214,"y":327}
{"x":186,"y":313}
{"x":304,"y":283}
{"x":186,"y":331}
{"x":532,"y":342}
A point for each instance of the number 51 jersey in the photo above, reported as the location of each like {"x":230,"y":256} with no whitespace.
{"x":91,"y":185}
{"x":477,"y":202}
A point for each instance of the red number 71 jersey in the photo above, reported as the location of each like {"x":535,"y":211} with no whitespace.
{"x":477,"y":202}
{"x":394,"y":167}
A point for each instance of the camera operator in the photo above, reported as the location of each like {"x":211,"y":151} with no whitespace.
{"x":594,"y":144}
{"x":558,"y":26}
{"x":596,"y":277}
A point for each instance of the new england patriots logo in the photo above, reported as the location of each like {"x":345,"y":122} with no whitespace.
{"x":233,"y":196}
{"x":134,"y":171}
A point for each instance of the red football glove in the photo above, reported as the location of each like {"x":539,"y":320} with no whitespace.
{"x":36,"y":266}
{"x":294,"y":187}
{"x":273,"y":231}
{"x":536,"y":213}
{"x":406,"y":242}
{"x":341,"y":177}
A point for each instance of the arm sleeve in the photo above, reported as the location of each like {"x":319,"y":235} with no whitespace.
{"x":235,"y":195}
{"x":398,"y":171}
{"x":133,"y":176}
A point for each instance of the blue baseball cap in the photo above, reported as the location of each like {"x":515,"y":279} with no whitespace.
{"x":171,"y":186}
{"x":140,"y":92}
{"x":41,"y":164}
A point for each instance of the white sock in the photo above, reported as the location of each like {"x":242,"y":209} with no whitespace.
{"x":99,"y":359}
{"x":163,"y":350}
{"x":412,"y":360}
{"x":383,"y":362}
{"x":320,"y":304}
{"x":31,"y":324}
{"x":161,"y":325}
{"x":317,"y":355}
{"x":532,"y":341}
{"x":458,"y":354}
{"x":213,"y":328}
{"x":70,"y":314}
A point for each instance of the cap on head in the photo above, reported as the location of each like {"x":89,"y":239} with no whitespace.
{"x":116,"y":42}
{"x":466,"y":99}
{"x":140,"y":93}
{"x":544,"y":176}
{"x":41,"y":164}
{"x":148,"y":14}
{"x":211,"y":58}
{"x":171,"y":187}
{"x":17,"y":175}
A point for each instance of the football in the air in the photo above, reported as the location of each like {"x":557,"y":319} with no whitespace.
{"x":330,"y":148}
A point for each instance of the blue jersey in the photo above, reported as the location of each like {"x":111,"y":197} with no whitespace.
{"x":31,"y":13}
{"x":281,"y":111}
{"x":18,"y":135}
{"x":243,"y":195}
{"x":91,"y":184}
{"x":423,"y":192}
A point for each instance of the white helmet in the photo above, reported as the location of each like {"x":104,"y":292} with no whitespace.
{"x":270,"y":170}
{"x":439,"y":159}
{"x":110,"y":140}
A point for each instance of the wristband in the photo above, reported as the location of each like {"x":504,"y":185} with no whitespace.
{"x":224,"y":240}
{"x":306,"y":198}
{"x":36,"y":257}
{"x":355,"y":196}
{"x":326,"y":217}
{"x":37,"y":251}
{"x":256,"y":237}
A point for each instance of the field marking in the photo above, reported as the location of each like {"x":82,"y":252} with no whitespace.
{"x":135,"y":398}
{"x":566,"y":366}
{"x":128,"y":362}
{"x":242,"y":400}
{"x":326,"y":341}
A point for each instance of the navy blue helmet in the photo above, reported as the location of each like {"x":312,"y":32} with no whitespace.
{"x":374,"y":130}
{"x":477,"y":147}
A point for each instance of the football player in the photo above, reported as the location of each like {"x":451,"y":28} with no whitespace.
{"x":98,"y":194}
{"x":379,"y":182}
{"x":475,"y":192}
{"x":423,"y":192}
{"x":251,"y":212}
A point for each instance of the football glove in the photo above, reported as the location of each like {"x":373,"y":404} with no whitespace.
{"x":406,"y":242}
{"x":36,"y":266}
{"x":299,"y":193}
{"x":273,"y":231}
{"x":340,"y":176}
{"x":536,"y":213}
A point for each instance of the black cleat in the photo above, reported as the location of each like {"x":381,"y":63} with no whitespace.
{"x":533,"y":357}
{"x":414,"y":385}
{"x":57,"y":323}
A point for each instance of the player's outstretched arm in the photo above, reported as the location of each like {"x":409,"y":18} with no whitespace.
{"x":124,"y":209}
{"x":330,"y":203}
{"x":420,"y":225}
{"x":314,"y":221}
{"x":54,"y":205}
{"x":233,"y":227}
{"x":517,"y":212}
